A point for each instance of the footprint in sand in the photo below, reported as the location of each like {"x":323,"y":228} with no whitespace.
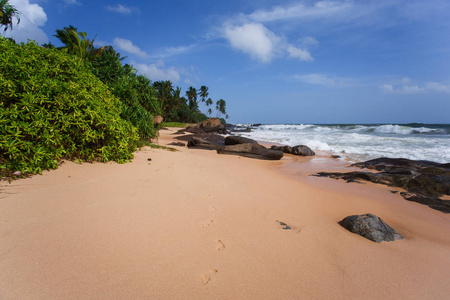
{"x":206,"y":224}
{"x":212,"y":208}
{"x":206,"y":277}
{"x":220,"y":245}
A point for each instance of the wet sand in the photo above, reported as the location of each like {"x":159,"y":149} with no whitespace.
{"x":193,"y":224}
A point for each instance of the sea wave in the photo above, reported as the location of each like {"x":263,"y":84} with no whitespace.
{"x":420,"y":142}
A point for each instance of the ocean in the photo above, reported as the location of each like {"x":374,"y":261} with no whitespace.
{"x":359,"y":142}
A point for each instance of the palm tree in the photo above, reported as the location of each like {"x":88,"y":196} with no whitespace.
{"x":221,"y":106}
{"x":7,"y":13}
{"x":191,"y":94}
{"x":209,"y":102}
{"x":170,"y":99}
{"x":76,"y":43}
{"x":203,"y":92}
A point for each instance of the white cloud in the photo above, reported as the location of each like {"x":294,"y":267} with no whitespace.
{"x":303,"y":54}
{"x":320,"y":9}
{"x":127,"y":46}
{"x":437,"y":87}
{"x":404,"y":86}
{"x":254,"y":39}
{"x":322,"y":79}
{"x":157,"y":72}
{"x":261,"y":43}
{"x":32,"y":16}
{"x":121,"y":9}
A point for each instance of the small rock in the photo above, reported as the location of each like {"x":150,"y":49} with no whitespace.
{"x":370,"y":227}
{"x":17,"y":173}
{"x":335,"y":156}
{"x":284,"y":225}
{"x":149,"y":159}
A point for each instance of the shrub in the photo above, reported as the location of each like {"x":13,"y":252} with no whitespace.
{"x":134,"y":91}
{"x":53,"y":107}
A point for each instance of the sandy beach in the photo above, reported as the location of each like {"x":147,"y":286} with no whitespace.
{"x":193,"y":224}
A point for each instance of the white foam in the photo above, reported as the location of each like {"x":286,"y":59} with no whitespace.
{"x":369,"y":141}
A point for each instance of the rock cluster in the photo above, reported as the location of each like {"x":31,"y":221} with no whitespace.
{"x":234,"y":145}
{"x":424,"y":181}
{"x":204,"y":137}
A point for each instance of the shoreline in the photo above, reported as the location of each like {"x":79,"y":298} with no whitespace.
{"x":196,"y":224}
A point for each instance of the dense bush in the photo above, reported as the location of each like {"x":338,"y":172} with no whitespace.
{"x":134,"y":91}
{"x":53,"y":107}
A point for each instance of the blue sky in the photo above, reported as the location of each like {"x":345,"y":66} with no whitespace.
{"x":336,"y":61}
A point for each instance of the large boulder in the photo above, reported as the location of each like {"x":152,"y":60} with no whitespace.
{"x":296,"y":150}
{"x":199,"y":143}
{"x":302,"y":150}
{"x":212,"y":125}
{"x":251,"y":150}
{"x":370,"y":227}
{"x":235,"y":140}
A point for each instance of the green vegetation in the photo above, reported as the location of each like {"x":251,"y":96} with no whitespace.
{"x":155,"y":146}
{"x":53,"y":107}
{"x":80,"y":102}
{"x":175,"y":124}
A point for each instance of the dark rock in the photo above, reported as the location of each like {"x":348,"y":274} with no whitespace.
{"x":302,"y":150}
{"x":177,"y":144}
{"x":149,"y":159}
{"x":435,"y":203}
{"x":235,"y":140}
{"x":392,"y":164}
{"x":370,"y":227}
{"x":296,"y":150}
{"x":251,"y":150}
{"x":285,"y":149}
{"x":424,"y":181}
{"x":335,"y":156}
{"x":212,"y":137}
{"x":193,"y":129}
{"x":199,"y":143}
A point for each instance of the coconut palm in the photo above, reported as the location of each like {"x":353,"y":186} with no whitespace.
{"x":203,"y":92}
{"x":191,"y":94}
{"x":7,"y":13}
{"x":221,"y":106}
